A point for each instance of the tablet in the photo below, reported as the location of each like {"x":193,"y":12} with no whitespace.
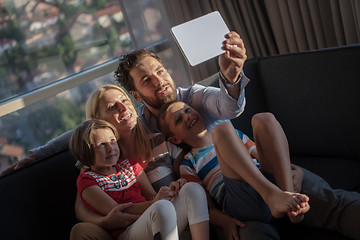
{"x":201,"y":38}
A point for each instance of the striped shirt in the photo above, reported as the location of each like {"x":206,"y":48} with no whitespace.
{"x":121,"y":186}
{"x":201,"y":165}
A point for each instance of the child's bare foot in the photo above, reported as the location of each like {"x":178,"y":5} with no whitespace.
{"x":298,"y":216}
{"x":286,"y":202}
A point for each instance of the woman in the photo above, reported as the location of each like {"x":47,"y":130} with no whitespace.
{"x":112,"y":104}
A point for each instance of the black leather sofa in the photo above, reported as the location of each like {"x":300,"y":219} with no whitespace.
{"x":315,"y":95}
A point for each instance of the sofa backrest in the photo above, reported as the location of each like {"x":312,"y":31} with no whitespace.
{"x":316,"y":96}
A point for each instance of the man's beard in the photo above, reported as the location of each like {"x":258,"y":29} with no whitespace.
{"x":157,"y":103}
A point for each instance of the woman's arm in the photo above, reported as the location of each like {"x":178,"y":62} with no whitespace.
{"x":21,"y":163}
{"x":98,"y":199}
{"x":116,"y":218}
{"x":102,"y":202}
{"x":54,"y":146}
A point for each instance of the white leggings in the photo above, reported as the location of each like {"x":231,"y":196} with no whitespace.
{"x":170,"y":219}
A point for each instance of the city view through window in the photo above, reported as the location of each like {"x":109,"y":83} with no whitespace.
{"x":44,"y":41}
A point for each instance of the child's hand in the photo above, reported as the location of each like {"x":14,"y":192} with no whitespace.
{"x":177,"y":185}
{"x":164,"y":193}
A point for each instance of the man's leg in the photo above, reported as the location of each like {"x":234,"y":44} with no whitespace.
{"x":252,"y":231}
{"x":258,"y":231}
{"x":334,"y":209}
{"x":89,"y":231}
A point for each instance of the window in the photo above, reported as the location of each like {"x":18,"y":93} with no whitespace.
{"x":43,"y":41}
{"x":50,"y":47}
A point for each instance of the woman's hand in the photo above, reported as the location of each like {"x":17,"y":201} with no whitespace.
{"x":21,"y":163}
{"x":116,"y":218}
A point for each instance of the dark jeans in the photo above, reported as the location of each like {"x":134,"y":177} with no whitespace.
{"x":334,"y":209}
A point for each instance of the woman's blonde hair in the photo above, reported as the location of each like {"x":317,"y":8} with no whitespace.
{"x":82,"y":141}
{"x":142,"y":140}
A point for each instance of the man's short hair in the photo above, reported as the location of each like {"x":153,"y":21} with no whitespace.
{"x":128,"y":62}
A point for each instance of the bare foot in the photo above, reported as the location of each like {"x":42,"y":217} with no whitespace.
{"x":298,"y":216}
{"x":281,"y":202}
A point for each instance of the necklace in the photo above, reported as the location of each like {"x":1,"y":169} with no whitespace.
{"x":119,"y":181}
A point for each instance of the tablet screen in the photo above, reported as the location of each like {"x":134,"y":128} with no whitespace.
{"x":201,"y":39}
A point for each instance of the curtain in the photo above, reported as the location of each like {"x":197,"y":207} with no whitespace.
{"x":270,"y":27}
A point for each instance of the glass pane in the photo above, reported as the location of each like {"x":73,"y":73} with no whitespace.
{"x":41,"y":42}
{"x":148,"y":27}
{"x":36,"y":124}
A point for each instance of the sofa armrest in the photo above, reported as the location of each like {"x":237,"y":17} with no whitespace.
{"x":37,"y":201}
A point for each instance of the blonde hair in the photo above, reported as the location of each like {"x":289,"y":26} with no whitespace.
{"x":142,"y":142}
{"x":82,"y":142}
